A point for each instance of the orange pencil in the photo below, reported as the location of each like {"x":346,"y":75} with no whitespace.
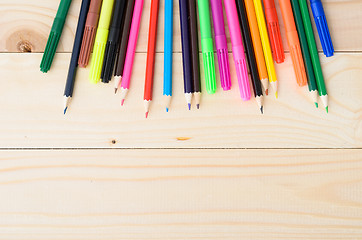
{"x":293,"y":42}
{"x":259,"y":54}
{"x":150,"y":65}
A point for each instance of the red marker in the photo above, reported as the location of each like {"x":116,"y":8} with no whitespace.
{"x":274,"y":30}
{"x":150,"y":65}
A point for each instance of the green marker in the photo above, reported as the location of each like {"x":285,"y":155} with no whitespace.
{"x":207,"y":45}
{"x":312,"y":85}
{"x":54,"y":35}
{"x":101,"y":41}
{"x":314,"y":53}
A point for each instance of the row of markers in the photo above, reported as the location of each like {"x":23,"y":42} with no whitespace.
{"x":111,"y":27}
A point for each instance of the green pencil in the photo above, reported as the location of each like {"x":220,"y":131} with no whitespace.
{"x":54,"y":35}
{"x":207,"y":45}
{"x":314,"y":53}
{"x":312,"y":85}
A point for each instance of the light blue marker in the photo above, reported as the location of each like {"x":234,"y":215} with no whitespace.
{"x":167,"y":75}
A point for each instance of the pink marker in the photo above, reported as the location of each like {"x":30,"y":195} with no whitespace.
{"x":131,"y":48}
{"x":238,"y":49}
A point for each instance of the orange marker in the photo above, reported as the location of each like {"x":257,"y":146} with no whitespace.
{"x":255,"y":36}
{"x":293,"y":42}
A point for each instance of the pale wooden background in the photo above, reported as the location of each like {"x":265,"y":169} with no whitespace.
{"x":223,"y":172}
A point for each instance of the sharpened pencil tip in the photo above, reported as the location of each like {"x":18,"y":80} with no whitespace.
{"x":276,"y":94}
{"x":262,"y":110}
{"x":65,"y":110}
{"x":166,"y":109}
{"x":198,"y":106}
{"x":122,"y":102}
{"x":146,"y":114}
{"x":327,"y":109}
{"x":316,"y":104}
{"x":189,"y":105}
{"x":115,"y":90}
{"x":267,"y":92}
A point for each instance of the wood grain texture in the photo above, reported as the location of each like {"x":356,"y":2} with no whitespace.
{"x":25,"y":25}
{"x":32,"y":110}
{"x":181,"y":194}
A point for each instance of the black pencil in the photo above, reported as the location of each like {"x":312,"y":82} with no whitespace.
{"x":194,"y":45}
{"x":186,"y":52}
{"x":250,"y":53}
{"x":114,"y":37}
{"x":121,"y":56}
{"x":68,"y":92}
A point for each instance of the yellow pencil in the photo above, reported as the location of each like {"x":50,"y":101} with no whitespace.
{"x":266,"y":45}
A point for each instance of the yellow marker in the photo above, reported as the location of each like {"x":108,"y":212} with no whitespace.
{"x":266,"y":45}
{"x":101,"y":41}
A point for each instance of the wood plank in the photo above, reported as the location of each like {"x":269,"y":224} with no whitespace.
{"x":25,"y":25}
{"x":32,"y":110}
{"x":181,"y":194}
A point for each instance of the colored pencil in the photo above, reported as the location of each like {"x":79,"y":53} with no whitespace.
{"x":194,"y":46}
{"x":101,"y":41}
{"x":221,"y":44}
{"x":314,"y":53}
{"x":312,"y":85}
{"x":121,"y":56}
{"x":89,"y":32}
{"x":322,"y":27}
{"x":69,"y":87}
{"x":266,"y":45}
{"x":131,"y":49}
{"x":293,"y":42}
{"x":207,"y":45}
{"x":258,"y":90}
{"x":274,"y":30}
{"x":168,"y":48}
{"x":54,"y":35}
{"x":238,"y":49}
{"x":151,"y":51}
{"x":186,"y":52}
{"x":258,"y":49}
{"x":114,"y":38}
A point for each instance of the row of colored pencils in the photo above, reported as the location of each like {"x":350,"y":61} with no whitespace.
{"x":111,"y":27}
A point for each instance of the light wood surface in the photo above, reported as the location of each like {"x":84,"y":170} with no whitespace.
{"x":181,"y":194}
{"x":223,"y":172}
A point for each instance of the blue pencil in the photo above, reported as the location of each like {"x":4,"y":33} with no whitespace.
{"x":167,"y":75}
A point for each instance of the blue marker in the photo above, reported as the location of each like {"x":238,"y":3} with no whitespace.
{"x":167,"y":75}
{"x":322,"y":27}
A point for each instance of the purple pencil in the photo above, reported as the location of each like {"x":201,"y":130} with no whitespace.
{"x":221,"y":44}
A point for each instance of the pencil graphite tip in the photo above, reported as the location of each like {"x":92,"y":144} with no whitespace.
{"x":189,"y":105}
{"x":316,"y":104}
{"x":65,"y":110}
{"x":115,"y":90}
{"x":262,"y":110}
{"x":198,"y":106}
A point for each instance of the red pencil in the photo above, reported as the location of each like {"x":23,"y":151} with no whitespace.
{"x":274,"y":30}
{"x":151,"y":55}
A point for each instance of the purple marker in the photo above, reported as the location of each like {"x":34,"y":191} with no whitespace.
{"x":221,"y":44}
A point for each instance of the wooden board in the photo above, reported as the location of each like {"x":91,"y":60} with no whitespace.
{"x":181,"y":194}
{"x":32,"y":110}
{"x":30,"y":32}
